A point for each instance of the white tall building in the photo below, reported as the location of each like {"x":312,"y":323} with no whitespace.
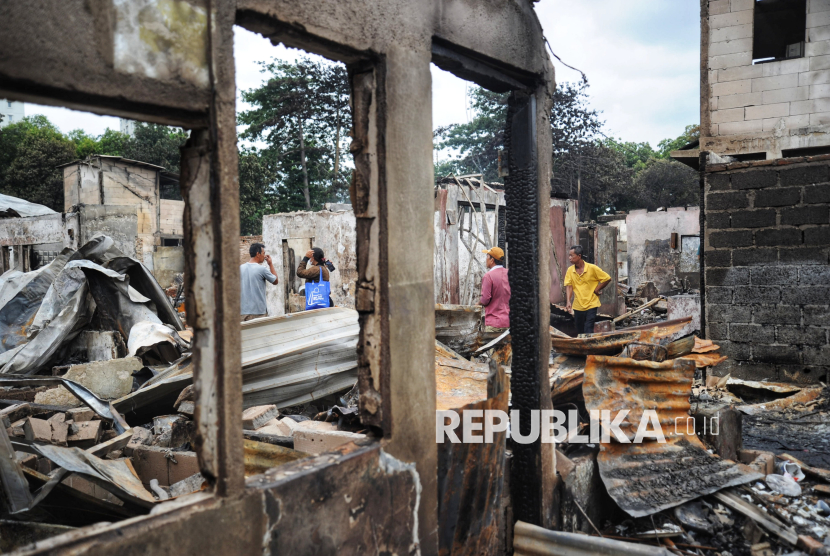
{"x":127,"y":126}
{"x":11,"y":110}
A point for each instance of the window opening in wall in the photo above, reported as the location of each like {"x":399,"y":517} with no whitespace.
{"x":294,"y":125}
{"x":470,"y":216}
{"x":91,"y":249}
{"x":806,"y":151}
{"x":779,"y":30}
{"x":749,"y":156}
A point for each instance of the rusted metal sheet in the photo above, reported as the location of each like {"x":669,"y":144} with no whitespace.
{"x":806,"y":395}
{"x":613,"y":343}
{"x":115,"y":476}
{"x":531,"y":540}
{"x":600,"y":344}
{"x":471,"y":485}
{"x":459,"y":383}
{"x":651,"y":476}
{"x":567,"y":373}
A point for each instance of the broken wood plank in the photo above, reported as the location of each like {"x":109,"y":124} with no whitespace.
{"x":681,"y":347}
{"x":766,"y":521}
{"x":637,"y":310}
{"x":276,"y":440}
{"x":112,"y":445}
{"x":14,"y":413}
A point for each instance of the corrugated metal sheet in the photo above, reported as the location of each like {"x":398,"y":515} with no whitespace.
{"x":531,"y":540}
{"x":613,"y":343}
{"x":299,"y":357}
{"x":648,"y":477}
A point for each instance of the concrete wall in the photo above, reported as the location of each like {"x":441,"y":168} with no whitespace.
{"x":333,"y":232}
{"x":766,"y":107}
{"x":766,"y":268}
{"x":167,"y":263}
{"x":118,"y":222}
{"x":108,"y":181}
{"x":650,"y":257}
{"x":170,"y":217}
{"x":49,"y":228}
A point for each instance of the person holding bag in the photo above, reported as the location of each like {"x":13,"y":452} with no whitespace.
{"x":317,"y":285}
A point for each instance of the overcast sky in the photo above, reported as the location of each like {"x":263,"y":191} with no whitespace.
{"x":641,"y":58}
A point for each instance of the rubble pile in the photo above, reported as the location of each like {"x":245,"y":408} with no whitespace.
{"x":720,"y":486}
{"x":96,"y":395}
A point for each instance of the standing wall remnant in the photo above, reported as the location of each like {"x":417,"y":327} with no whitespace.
{"x":651,"y":256}
{"x":288,"y":236}
{"x":767,"y":277}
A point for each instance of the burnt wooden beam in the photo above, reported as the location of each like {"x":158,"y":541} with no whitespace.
{"x":527,"y":194}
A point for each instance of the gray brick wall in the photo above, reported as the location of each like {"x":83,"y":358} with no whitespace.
{"x":767,"y":267}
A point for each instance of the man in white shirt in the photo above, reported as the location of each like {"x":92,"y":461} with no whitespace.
{"x":252,"y":280}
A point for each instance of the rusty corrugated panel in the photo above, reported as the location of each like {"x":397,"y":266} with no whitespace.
{"x":567,"y":373}
{"x":613,"y":343}
{"x":459,"y":382}
{"x":471,"y":486}
{"x":648,"y":477}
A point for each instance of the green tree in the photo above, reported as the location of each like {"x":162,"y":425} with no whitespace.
{"x":30,"y":151}
{"x":636,"y":154}
{"x":301,"y":112}
{"x":257,"y":190}
{"x":153,"y":143}
{"x":666,"y":183}
{"x":666,"y":146}
{"x":476,"y":144}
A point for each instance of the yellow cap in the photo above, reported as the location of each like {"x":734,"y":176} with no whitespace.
{"x":495,"y":252}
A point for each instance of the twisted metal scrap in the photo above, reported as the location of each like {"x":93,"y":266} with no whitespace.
{"x":649,"y":477}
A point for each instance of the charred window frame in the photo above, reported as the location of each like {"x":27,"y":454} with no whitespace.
{"x":779,"y":30}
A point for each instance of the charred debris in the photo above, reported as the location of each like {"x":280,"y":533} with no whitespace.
{"x":98,"y":417}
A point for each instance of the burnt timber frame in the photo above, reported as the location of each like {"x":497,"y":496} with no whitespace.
{"x":387,"y":46}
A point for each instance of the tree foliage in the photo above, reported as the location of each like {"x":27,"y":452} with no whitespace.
{"x":604,"y":173}
{"x":302,"y":113}
{"x":477,"y":143}
{"x":30,"y":151}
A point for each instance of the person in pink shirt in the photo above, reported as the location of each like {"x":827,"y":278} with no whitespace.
{"x":495,"y":292}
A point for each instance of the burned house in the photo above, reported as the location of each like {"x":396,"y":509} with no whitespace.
{"x":135,"y":203}
{"x":471,"y":216}
{"x":390,"y":488}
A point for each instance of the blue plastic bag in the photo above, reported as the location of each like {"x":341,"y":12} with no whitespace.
{"x":317,"y":294}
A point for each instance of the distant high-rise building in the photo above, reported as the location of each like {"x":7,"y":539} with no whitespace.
{"x":128,"y":126}
{"x":11,"y":110}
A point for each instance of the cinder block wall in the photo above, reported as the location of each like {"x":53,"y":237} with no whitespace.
{"x":767,"y":277}
{"x":779,"y":104}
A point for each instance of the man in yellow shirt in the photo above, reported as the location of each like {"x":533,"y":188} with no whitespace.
{"x":583,"y":281}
